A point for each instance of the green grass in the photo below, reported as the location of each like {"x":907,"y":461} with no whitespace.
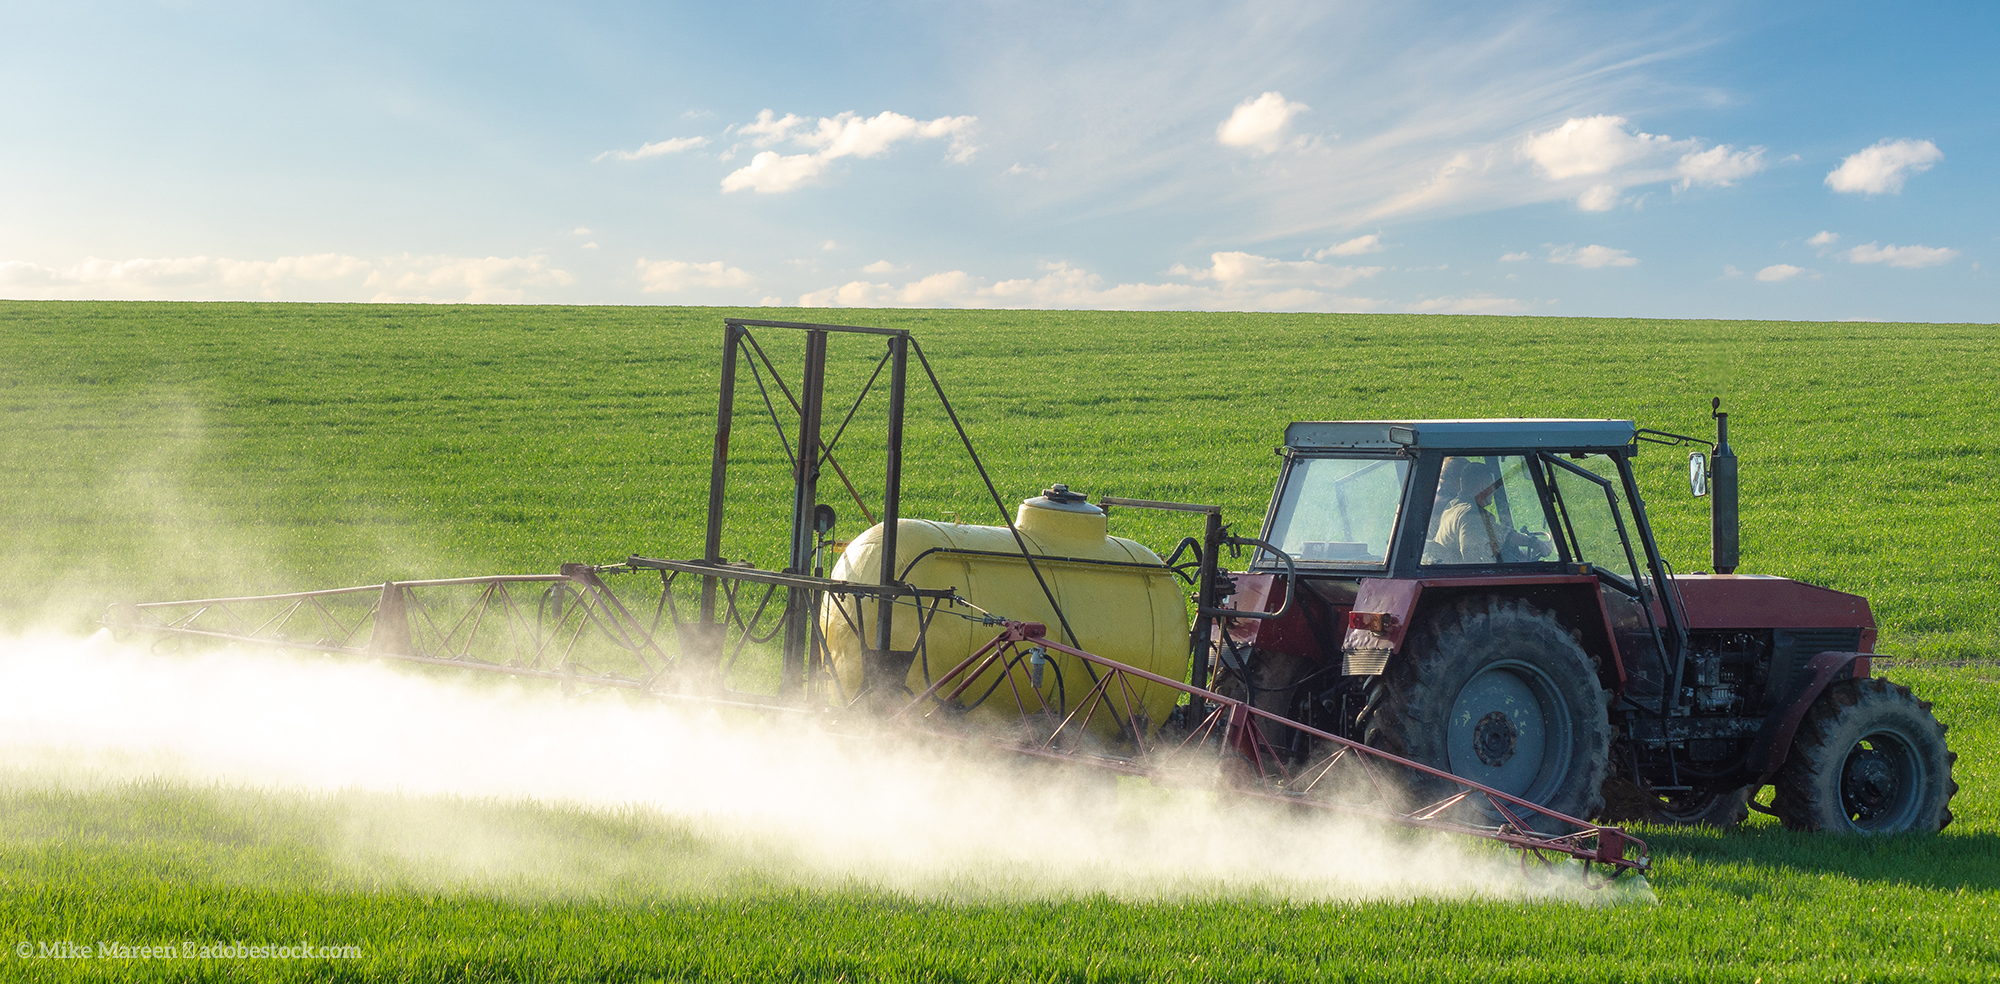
{"x":635,"y":897}
{"x":168,"y":450}
{"x":153,"y":451}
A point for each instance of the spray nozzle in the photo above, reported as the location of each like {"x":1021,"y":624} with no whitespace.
{"x":1037,"y":659}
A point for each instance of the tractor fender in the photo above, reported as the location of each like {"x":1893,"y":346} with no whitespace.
{"x":1774,"y":739}
{"x":1385,"y":608}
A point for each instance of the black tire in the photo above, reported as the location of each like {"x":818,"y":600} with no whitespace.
{"x":1721,"y":810}
{"x":1869,"y":758}
{"x":1498,"y":692}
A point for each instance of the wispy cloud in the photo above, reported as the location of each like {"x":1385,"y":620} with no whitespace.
{"x":1481,"y":304}
{"x":1777,"y":272}
{"x":1371,"y":243}
{"x":1882,"y":168}
{"x":670,"y":276}
{"x":659,"y":149}
{"x":1592,"y":257}
{"x":1233,"y":281}
{"x":477,"y":280}
{"x":1239,"y":269}
{"x":1907,"y":257}
{"x":832,"y":138}
{"x":1431,"y":130}
{"x":1719,"y":166}
{"x":323,"y":276}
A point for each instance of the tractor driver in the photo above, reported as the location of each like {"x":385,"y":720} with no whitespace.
{"x":1465,"y":532}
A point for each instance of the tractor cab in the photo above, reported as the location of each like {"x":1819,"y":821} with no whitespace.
{"x":1460,"y":498}
{"x":1542,"y":507}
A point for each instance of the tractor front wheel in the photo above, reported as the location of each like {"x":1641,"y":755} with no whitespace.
{"x":1498,"y":692}
{"x":1869,"y":758}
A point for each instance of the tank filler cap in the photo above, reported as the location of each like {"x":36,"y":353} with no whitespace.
{"x":1062,"y":499}
{"x":1062,"y":493}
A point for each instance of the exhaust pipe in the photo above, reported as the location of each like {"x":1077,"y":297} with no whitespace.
{"x":1723,"y":550}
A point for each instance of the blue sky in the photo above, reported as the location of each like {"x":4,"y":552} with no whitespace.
{"x":1756,"y":160}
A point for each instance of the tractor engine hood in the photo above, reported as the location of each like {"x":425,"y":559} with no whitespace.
{"x":1760,"y":601}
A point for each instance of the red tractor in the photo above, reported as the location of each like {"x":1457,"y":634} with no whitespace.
{"x":1486,"y":596}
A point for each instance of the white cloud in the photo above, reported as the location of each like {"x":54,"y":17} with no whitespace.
{"x":1588,"y":146}
{"x":658,"y":149}
{"x":1232,"y":281}
{"x":1237,"y":269}
{"x":471,"y":280}
{"x":1592,"y":257}
{"x":1594,"y":158}
{"x":588,"y":246}
{"x":1823,"y":238}
{"x":580,"y":231}
{"x":832,"y":138}
{"x":20,"y":273}
{"x":1781,"y":271}
{"x":1908,"y":257}
{"x":668,"y":276}
{"x":1598,"y":198}
{"x":1259,"y":124}
{"x":879,"y":266}
{"x":1882,"y":168}
{"x":1371,"y":243}
{"x":324,"y":276}
{"x":1483,"y":304}
{"x":771,"y":172}
{"x":850,"y":135}
{"x":1719,"y":166}
{"x":1729,"y":272}
{"x":768,"y":128}
{"x":1513,"y":257}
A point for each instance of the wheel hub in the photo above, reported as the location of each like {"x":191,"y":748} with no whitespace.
{"x":1867,"y":783}
{"x":1493,"y":739}
{"x":1510,"y":729}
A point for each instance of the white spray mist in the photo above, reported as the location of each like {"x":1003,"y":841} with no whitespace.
{"x":437,"y":773}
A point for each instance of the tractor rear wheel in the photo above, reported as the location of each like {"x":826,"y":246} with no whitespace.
{"x":1869,"y":758}
{"x":1498,"y":692}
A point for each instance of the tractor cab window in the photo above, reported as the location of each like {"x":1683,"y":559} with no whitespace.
{"x":1339,"y":512}
{"x":1599,"y":522}
{"x":1489,"y":511}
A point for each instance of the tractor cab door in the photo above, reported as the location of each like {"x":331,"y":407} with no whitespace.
{"x":1596,"y":529}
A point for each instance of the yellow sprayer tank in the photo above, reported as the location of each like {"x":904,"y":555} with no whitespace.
{"x":1120,"y":598}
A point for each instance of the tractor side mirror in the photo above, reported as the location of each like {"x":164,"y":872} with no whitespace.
{"x":1697,"y":474}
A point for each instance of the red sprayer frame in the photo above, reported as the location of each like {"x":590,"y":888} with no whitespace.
{"x":1238,"y":723}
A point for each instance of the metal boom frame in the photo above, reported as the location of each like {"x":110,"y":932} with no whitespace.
{"x":481,"y":623}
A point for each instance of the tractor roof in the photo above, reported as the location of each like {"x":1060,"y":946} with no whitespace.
{"x":1497,"y":434}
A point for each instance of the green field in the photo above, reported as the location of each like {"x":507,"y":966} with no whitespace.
{"x":157,"y":451}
